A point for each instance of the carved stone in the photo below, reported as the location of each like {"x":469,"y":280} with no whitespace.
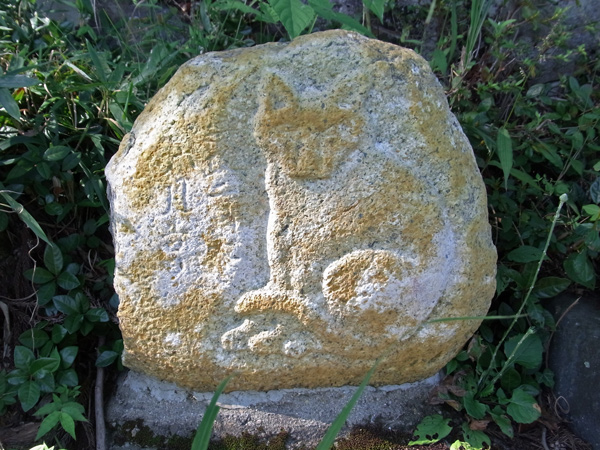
{"x":293,"y":212}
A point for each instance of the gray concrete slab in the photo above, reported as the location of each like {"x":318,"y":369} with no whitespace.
{"x":161,"y":412}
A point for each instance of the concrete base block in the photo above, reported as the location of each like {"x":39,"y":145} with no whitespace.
{"x":145,"y":413}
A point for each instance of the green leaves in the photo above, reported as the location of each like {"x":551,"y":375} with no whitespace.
{"x":431,"y":429}
{"x":580,"y":269}
{"x":523,"y":407}
{"x":294,"y":15}
{"x":376,"y":7}
{"x":61,"y":410}
{"x":525,"y":254}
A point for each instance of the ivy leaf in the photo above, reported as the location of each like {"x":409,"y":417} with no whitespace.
{"x":523,"y":408}
{"x":23,"y":357}
{"x":294,"y":15}
{"x":67,"y":378}
{"x":67,"y":281}
{"x":431,"y":429}
{"x":68,"y":355}
{"x":66,"y":304}
{"x":473,"y":407}
{"x":34,"y":338}
{"x":53,"y":259}
{"x":106,"y":358}
{"x":39,"y":275}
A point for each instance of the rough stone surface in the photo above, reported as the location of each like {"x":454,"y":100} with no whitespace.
{"x":575,"y":359}
{"x":295,"y":211}
{"x":166,"y":410}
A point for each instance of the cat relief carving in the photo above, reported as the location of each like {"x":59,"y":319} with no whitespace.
{"x":341,"y":245}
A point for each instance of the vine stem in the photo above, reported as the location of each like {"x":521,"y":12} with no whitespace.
{"x":562,"y":200}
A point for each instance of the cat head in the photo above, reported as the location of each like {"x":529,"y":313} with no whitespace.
{"x":306,"y":138}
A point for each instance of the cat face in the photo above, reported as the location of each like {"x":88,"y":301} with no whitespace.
{"x":308,"y":139}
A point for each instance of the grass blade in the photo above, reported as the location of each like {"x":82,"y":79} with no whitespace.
{"x":340,"y":420}
{"x":202,"y":437}
{"x":24,"y":215}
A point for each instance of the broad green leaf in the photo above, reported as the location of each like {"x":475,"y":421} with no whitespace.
{"x":48,"y":424}
{"x":525,"y":350}
{"x":53,"y":259}
{"x":8,"y":102}
{"x":39,"y":275}
{"x":41,"y":366}
{"x":68,"y":424}
{"x":550,"y":287}
{"x":434,"y":426}
{"x":246,"y":9}
{"x":17,"y":81}
{"x":29,"y":394}
{"x":23,"y":357}
{"x":473,"y":407}
{"x":58,"y":333}
{"x":522,"y":407}
{"x":475,"y":438}
{"x":97,"y":315}
{"x":593,"y":211}
{"x":34,"y":338}
{"x":56,"y":153}
{"x":66,"y":304}
{"x":579,"y":269}
{"x":75,"y":410}
{"x":106,"y":358}
{"x":48,"y":408}
{"x":505,"y":153}
{"x":46,"y":382}
{"x":73,"y":323}
{"x":294,"y":15}
{"x":324,"y":9}
{"x":525,"y":254}
{"x":503,"y":422}
{"x":68,"y":355}
{"x":67,"y":378}
{"x":45,"y":293}
{"x":376,"y":7}
{"x":67,"y":281}
{"x":511,"y":379}
{"x":546,"y":377}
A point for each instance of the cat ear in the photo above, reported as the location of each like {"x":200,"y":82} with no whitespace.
{"x":278,"y":94}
